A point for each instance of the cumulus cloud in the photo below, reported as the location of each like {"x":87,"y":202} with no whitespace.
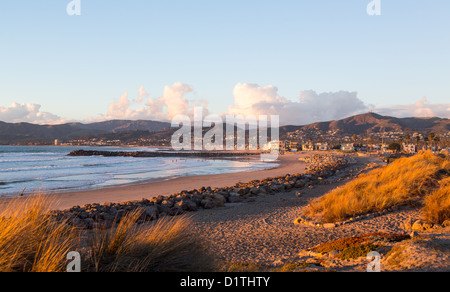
{"x":29,"y":113}
{"x":422,"y":108}
{"x":171,"y":103}
{"x":142,"y":94}
{"x":252,"y":99}
{"x":249,"y":99}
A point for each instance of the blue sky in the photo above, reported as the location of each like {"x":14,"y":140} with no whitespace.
{"x":76,"y":66}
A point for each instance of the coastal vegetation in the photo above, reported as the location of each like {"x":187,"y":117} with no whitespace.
{"x":418,"y":180}
{"x":156,"y":235}
{"x":31,"y":240}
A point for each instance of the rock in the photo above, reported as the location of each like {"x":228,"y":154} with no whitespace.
{"x":300,"y":220}
{"x":418,"y":226}
{"x":413,"y":234}
{"x":207,"y":204}
{"x":89,"y":223}
{"x":234,"y":198}
{"x":427,"y":226}
{"x":315,"y":254}
{"x":298,"y":194}
{"x":151,"y":212}
{"x":262,"y":194}
{"x":446,"y":223}
{"x":329,"y":225}
{"x":408,"y":224}
{"x":175,"y":211}
{"x":120,"y":214}
{"x":219,"y":200}
{"x":254,"y":190}
{"x":167,"y":204}
{"x":299,"y":184}
{"x":334,"y":253}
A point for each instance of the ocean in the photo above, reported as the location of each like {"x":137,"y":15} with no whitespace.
{"x":45,"y":169}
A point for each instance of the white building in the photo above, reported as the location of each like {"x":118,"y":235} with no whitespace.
{"x":409,"y":148}
{"x":348,"y":147}
{"x":308,"y":147}
{"x":322,"y":146}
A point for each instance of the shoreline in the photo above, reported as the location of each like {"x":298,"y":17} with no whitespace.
{"x":288,"y":163}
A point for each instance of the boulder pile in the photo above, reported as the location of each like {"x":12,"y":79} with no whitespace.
{"x":105,"y":216}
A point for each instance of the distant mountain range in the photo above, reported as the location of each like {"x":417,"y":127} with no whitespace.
{"x":375,"y":123}
{"x":25,"y":133}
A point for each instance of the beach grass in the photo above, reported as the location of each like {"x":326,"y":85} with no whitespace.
{"x":406,"y":181}
{"x":31,"y":240}
{"x":166,"y":245}
{"x":437,"y":204}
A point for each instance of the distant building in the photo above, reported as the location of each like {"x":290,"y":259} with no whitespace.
{"x":277,"y":145}
{"x":409,"y":148}
{"x":348,"y":147}
{"x":322,"y":146}
{"x":294,"y":146}
{"x":57,"y":142}
{"x":308,"y":147}
{"x":373,"y":148}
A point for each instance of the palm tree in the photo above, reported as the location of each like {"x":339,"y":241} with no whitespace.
{"x":408,"y":138}
{"x":431,"y":137}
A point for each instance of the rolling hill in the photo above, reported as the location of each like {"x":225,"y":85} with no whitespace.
{"x":125,"y":130}
{"x":24,"y":133}
{"x":375,"y":123}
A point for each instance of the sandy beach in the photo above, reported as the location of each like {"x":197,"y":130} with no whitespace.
{"x":288,"y":164}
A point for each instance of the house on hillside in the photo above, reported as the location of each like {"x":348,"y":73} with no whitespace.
{"x":294,"y":146}
{"x":373,"y":148}
{"x":322,"y":146}
{"x":409,"y":148}
{"x":348,"y":147}
{"x":308,"y":147}
{"x":276,"y":145}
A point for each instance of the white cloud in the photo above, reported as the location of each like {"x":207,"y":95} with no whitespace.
{"x":142,"y":94}
{"x":172,"y":102}
{"x":422,"y":108}
{"x":252,"y":99}
{"x":29,"y":113}
{"x":249,"y":99}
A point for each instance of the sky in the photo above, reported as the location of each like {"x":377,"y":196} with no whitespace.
{"x":304,"y":60}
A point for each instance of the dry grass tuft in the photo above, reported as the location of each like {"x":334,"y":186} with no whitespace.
{"x":30,"y":241}
{"x":163,"y":246}
{"x":404,"y":181}
{"x":437,"y":204}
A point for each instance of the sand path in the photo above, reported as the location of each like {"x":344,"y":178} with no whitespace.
{"x":262,"y":232}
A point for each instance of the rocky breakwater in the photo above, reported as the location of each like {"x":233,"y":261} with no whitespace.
{"x":106,"y":215}
{"x":146,"y":154}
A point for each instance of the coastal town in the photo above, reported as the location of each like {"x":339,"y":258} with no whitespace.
{"x":376,"y":143}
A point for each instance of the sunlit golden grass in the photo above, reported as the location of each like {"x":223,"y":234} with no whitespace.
{"x":404,"y":181}
{"x":30,"y":241}
{"x":437,"y":204}
{"x":163,"y":246}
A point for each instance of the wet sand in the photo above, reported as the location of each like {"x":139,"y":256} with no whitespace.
{"x":288,"y":164}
